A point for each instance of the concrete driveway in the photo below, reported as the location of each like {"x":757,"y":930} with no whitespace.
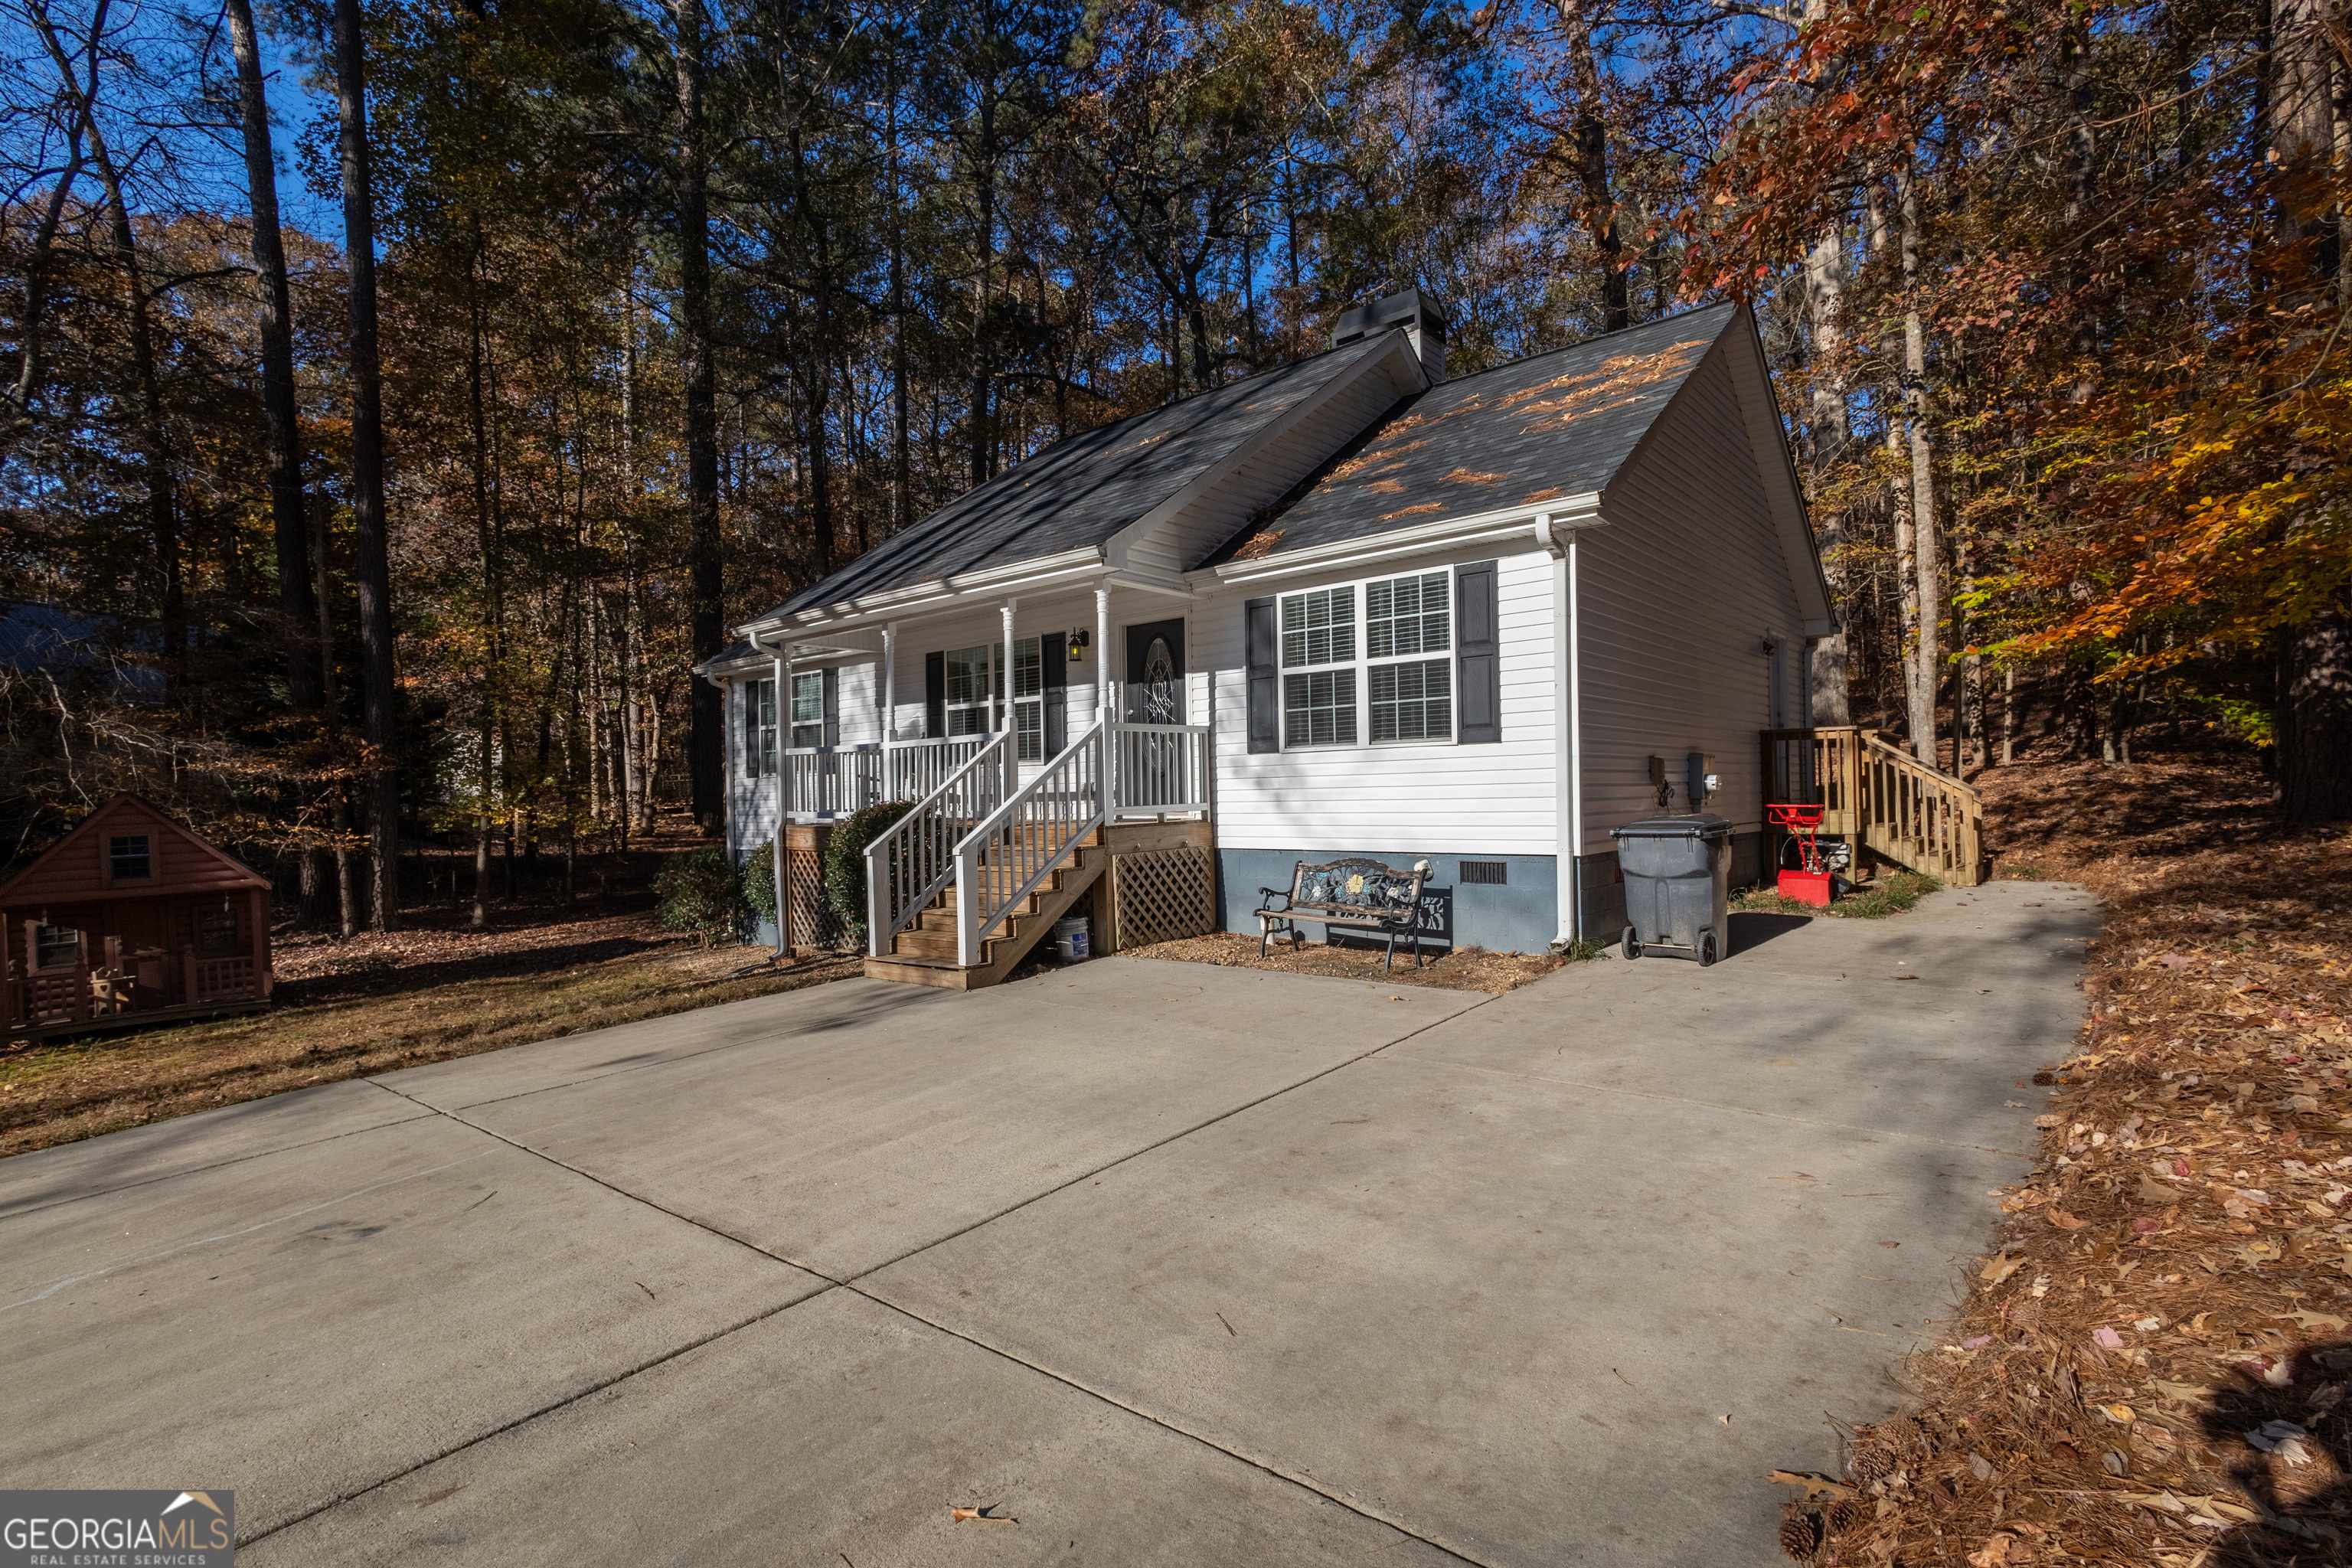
{"x":1171,"y":1264}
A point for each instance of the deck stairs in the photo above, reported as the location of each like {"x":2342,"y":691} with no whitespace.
{"x":1879,"y":797}
{"x":925,"y":953}
{"x":965,"y":885}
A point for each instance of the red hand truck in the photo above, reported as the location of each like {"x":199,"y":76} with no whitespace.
{"x":1809,"y":881}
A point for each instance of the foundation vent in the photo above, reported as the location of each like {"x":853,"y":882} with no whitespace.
{"x":1485,"y":873}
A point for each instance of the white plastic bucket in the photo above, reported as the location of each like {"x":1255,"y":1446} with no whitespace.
{"x":1070,"y":942}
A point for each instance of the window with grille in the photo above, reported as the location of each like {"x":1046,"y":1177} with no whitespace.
{"x":970,"y":687}
{"x":56,"y":947}
{"x":1029,"y":699}
{"x":759,"y":728}
{"x":808,"y":708}
{"x":129,"y":857}
{"x":1385,"y":676}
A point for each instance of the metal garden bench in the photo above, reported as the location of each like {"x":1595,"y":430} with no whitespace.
{"x":1347,"y":893}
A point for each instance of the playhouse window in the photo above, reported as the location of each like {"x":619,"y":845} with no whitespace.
{"x":129,"y":857}
{"x":56,"y":947}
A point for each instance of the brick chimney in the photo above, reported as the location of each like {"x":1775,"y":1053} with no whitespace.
{"x":1423,"y":324}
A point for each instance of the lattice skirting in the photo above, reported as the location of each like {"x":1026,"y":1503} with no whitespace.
{"x":813,"y":924}
{"x":1159,"y":894}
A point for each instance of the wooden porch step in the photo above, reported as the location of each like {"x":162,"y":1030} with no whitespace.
{"x":925,"y":954}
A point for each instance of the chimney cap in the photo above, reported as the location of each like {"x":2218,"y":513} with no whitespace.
{"x":1405,"y":307}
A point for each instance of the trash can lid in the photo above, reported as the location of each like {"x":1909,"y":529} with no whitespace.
{"x":1693,"y":825}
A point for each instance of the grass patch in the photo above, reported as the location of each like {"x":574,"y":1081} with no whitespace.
{"x":377,"y":1003}
{"x":1889,"y":894}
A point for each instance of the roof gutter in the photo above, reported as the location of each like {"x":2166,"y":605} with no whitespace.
{"x":990,"y":583}
{"x":1546,"y":525}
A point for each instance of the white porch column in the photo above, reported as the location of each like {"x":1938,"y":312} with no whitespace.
{"x":1102,"y":654}
{"x":1102,"y":701}
{"x":889,"y":682}
{"x":1005,"y":727}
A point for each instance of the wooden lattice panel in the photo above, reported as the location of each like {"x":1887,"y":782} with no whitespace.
{"x":1160,"y":895}
{"x":813,"y":924}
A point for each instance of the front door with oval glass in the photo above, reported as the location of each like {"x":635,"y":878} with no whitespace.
{"x":1155,"y":673}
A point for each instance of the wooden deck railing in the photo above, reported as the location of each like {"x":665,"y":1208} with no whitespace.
{"x":1880,"y":797}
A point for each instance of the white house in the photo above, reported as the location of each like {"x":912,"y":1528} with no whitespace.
{"x":1347,"y":607}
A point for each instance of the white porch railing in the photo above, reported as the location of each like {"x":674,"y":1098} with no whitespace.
{"x":833,"y":781}
{"x":1012,"y":851}
{"x":1158,"y":769}
{"x":914,"y":859}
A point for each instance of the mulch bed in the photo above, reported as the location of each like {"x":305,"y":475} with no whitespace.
{"x":1465,"y":969}
{"x":2153,"y":1366}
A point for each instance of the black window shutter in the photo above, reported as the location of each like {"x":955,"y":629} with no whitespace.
{"x":935,"y":695}
{"x":832,"y":706}
{"x":1260,"y":630}
{"x":1053,"y":670}
{"x":1478,"y":659}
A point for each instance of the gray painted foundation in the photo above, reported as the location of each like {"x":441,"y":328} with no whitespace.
{"x":1520,"y":916}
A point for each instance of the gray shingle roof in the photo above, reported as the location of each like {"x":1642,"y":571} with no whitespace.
{"x":1556,"y":424}
{"x":1084,"y":489}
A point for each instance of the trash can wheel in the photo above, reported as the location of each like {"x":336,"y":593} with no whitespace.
{"x":1706,"y":948}
{"x":1630,"y":943}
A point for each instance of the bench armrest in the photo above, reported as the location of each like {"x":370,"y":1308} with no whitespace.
{"x":1267,"y":895}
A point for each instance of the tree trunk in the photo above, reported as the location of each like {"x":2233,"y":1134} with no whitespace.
{"x":1592,"y":167}
{"x":2315,"y":686}
{"x":493,"y":609}
{"x":371,"y":565}
{"x":28,"y":380}
{"x":280,"y":415}
{"x":706,"y":736}
{"x":983,"y":434}
{"x":1824,"y":297}
{"x":1925,"y":544}
{"x":902,"y":501}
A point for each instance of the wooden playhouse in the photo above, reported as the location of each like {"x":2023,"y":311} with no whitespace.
{"x":132,"y":918}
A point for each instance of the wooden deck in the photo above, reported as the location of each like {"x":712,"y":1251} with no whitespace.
{"x":1881,"y":798}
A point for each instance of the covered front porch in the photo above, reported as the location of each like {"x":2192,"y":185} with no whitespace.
{"x":1027,"y":738}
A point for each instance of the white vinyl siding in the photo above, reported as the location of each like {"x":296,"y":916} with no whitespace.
{"x":1679,"y":591}
{"x":1422,"y":796}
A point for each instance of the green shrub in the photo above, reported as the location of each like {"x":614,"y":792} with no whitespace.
{"x":845,"y":863}
{"x":759,"y":881}
{"x":698,"y":891}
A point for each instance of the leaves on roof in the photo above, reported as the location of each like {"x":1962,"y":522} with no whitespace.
{"x":1616,"y":383}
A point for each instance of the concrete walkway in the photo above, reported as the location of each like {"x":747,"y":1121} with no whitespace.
{"x":1173,"y":1263}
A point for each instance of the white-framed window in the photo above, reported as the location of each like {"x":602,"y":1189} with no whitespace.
{"x":808,"y":708}
{"x":1406,"y":618}
{"x":970,"y":689}
{"x":1029,"y":699}
{"x":1370,"y":660}
{"x":759,"y":728}
{"x":1319,"y":668}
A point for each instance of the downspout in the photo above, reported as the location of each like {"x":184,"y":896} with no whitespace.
{"x":1559,"y":543}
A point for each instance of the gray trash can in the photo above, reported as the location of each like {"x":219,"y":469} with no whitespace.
{"x":1677,"y":885}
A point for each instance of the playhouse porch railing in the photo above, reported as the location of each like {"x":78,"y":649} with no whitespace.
{"x":1881,"y":798}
